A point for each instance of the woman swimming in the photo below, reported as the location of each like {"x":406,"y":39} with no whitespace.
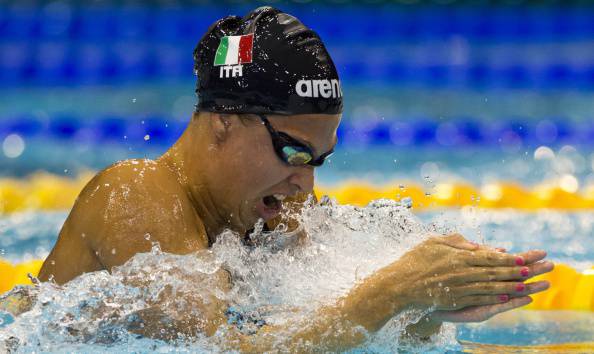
{"x":270,"y":103}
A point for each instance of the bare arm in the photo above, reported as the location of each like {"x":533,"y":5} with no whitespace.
{"x":475,"y":279}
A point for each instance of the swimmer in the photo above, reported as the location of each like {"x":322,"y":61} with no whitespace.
{"x":269,"y":105}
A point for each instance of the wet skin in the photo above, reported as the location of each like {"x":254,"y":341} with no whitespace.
{"x":212,"y":179}
{"x":215,"y":177}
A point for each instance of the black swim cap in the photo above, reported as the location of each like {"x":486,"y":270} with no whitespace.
{"x":265,"y":62}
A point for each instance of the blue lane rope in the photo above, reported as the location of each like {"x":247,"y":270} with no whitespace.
{"x":161,"y":130}
{"x":72,"y":45}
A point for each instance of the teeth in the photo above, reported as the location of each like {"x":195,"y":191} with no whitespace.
{"x":279,"y":197}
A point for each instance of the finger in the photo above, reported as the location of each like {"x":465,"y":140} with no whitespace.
{"x":532,"y":256}
{"x":495,"y":288}
{"x":491,"y":258}
{"x":480,"y":313}
{"x":479,"y":300}
{"x":506,"y":306}
{"x":483,"y":274}
{"x":483,"y":247}
{"x":458,"y":241}
{"x":530,"y":288}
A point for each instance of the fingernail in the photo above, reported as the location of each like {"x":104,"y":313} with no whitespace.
{"x":520,"y":287}
{"x":545,"y":285}
{"x":525,"y":271}
{"x":520,"y":261}
{"x":503,"y":298}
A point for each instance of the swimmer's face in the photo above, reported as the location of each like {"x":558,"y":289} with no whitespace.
{"x":255,"y":179}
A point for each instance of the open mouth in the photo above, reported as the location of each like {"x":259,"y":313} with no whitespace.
{"x":274,"y":201}
{"x":270,"y":206}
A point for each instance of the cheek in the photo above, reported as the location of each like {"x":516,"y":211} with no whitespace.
{"x":256,"y":167}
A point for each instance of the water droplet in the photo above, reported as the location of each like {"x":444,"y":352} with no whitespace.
{"x":113,"y":251}
{"x":52,"y":262}
{"x":83,"y":235}
{"x":13,"y":146}
{"x":146,"y":137}
{"x":406,"y":202}
{"x":134,"y":100}
{"x":447,"y":289}
{"x":147,"y":236}
{"x":65,"y":170}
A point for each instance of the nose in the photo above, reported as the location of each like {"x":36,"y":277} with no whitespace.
{"x":303,"y":178}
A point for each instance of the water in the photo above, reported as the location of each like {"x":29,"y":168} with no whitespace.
{"x":375,"y":164}
{"x":280,"y":284}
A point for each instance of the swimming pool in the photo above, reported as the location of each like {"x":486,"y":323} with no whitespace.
{"x":31,"y":235}
{"x":481,"y":114}
{"x":565,"y":235}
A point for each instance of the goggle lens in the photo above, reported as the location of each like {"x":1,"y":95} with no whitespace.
{"x":296,"y":156}
{"x":291,"y":150}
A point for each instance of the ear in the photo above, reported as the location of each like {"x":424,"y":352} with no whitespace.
{"x":221,"y":126}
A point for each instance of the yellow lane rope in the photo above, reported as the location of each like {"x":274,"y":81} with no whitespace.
{"x":50,"y":192}
{"x":570,"y":289}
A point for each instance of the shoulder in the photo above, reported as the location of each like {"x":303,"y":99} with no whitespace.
{"x":147,"y":179}
{"x":130,"y":205}
{"x":132,"y":187}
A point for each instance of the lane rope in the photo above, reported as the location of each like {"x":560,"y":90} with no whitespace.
{"x":43,"y":191}
{"x":570,"y":289}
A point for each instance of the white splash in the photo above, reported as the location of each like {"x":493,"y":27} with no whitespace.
{"x":274,"y":278}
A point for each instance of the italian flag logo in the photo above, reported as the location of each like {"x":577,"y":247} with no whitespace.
{"x":235,"y":50}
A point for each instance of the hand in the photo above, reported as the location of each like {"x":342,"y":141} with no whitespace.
{"x":450,"y":273}
{"x":479,"y":313}
{"x":431,"y":323}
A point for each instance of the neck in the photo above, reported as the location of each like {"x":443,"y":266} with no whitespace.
{"x":186,"y":159}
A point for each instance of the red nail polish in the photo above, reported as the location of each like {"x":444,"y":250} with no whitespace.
{"x":520,"y":261}
{"x":520,"y":287}
{"x":525,"y":271}
{"x":503,"y":298}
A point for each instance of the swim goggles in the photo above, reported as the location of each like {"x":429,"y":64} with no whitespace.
{"x":291,"y":150}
